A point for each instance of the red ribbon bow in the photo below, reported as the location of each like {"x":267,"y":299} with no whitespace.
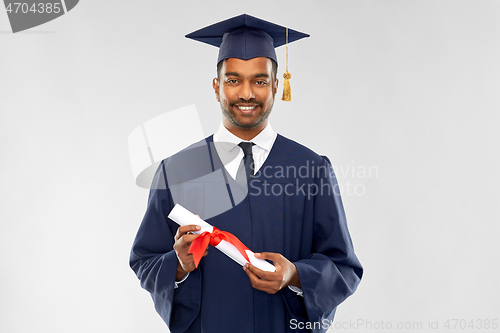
{"x":200,"y":244}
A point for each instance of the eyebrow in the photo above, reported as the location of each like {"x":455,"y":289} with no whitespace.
{"x":253,"y":77}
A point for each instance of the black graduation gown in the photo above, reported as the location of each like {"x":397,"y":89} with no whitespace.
{"x":292,"y":207}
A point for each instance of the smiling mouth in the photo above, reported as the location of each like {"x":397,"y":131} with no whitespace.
{"x":246,"y":108}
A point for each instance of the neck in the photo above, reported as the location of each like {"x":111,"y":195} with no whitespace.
{"x":246,"y":134}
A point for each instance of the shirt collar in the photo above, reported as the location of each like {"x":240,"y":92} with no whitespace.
{"x":264,"y":139}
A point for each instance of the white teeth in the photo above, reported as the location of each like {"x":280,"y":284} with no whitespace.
{"x":246,"y":108}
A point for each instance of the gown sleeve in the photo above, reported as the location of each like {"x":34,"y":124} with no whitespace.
{"x":154,"y":261}
{"x":332,"y":272}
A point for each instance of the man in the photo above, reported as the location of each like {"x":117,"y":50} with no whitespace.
{"x":278,"y":197}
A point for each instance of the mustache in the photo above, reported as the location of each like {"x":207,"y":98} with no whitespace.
{"x":244,"y":101}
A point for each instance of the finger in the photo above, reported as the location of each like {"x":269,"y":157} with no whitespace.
{"x":187,"y":258}
{"x":181,"y":245}
{"x":189,"y":228}
{"x":276,"y":258}
{"x":268,"y":255}
{"x":253,"y":277}
{"x":187,"y":239}
{"x":270,"y":276}
{"x":184,"y":241}
{"x":185,"y":229}
{"x":270,"y":287}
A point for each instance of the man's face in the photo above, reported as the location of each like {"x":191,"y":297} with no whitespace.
{"x":246,"y":92}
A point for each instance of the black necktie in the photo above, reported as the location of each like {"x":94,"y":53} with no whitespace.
{"x":248,"y":158}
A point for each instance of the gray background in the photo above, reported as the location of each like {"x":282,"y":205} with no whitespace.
{"x":409,"y":88}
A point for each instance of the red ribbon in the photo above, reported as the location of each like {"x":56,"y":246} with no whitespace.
{"x":200,"y":244}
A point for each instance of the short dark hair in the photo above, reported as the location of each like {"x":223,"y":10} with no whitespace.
{"x":273,"y":64}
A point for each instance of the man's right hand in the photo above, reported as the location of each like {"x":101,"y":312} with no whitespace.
{"x":183,"y":239}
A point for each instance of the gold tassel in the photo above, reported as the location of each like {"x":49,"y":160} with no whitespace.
{"x":287,"y":91}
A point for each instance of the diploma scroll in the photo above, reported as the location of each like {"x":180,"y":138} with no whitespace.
{"x":182,"y":216}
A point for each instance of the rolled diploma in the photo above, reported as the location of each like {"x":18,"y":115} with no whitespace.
{"x":183,"y":217}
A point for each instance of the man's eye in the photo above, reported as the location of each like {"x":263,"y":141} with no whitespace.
{"x":232,"y":81}
{"x":261,"y":83}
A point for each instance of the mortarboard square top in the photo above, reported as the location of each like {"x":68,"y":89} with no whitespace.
{"x":246,"y":37}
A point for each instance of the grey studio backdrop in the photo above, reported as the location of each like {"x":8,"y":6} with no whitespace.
{"x":401,"y":95}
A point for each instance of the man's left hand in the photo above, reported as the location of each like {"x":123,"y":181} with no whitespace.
{"x":272,"y":282}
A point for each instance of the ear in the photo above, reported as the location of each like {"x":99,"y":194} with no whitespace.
{"x":215,"y":85}
{"x":276,"y":86}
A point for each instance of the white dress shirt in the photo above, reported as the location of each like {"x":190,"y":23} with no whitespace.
{"x":263,"y":143}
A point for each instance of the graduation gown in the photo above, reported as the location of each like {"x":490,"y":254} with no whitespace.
{"x":292,"y":206}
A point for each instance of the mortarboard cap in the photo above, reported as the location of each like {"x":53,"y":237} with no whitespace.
{"x":246,"y":37}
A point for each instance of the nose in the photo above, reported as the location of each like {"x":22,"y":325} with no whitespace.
{"x":246,"y":91}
